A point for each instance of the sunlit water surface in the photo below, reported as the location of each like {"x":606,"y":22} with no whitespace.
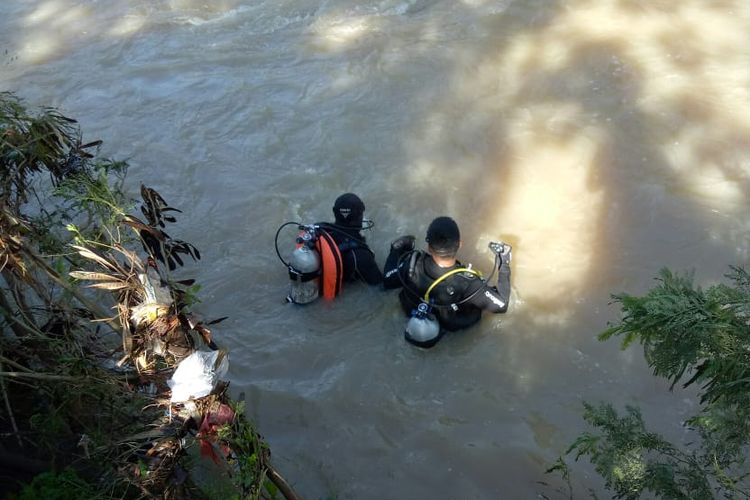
{"x":604,"y":139}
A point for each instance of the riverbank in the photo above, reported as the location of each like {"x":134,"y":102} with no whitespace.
{"x":90,"y":396}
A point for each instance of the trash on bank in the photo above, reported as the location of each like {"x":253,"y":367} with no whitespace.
{"x":197,"y":375}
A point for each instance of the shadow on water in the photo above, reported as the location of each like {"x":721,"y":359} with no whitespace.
{"x":608,"y":92}
{"x":599,"y":105}
{"x":632,"y":126}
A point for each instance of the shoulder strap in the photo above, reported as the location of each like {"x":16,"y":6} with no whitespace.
{"x":350,"y":242}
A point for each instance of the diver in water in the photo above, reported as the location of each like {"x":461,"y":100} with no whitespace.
{"x":435,"y":281}
{"x":327,"y":254}
{"x":357,"y":258}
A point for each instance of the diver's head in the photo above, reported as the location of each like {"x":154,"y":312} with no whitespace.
{"x":349,"y":210}
{"x":443,"y":237}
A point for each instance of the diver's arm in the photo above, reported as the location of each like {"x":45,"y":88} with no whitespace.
{"x":367,"y":268}
{"x":495,"y":298}
{"x":503,"y":286}
{"x":394,"y":264}
{"x":391,"y":270}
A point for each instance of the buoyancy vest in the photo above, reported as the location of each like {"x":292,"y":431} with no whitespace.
{"x":331,"y":265}
{"x":450,"y":291}
{"x":332,"y":260}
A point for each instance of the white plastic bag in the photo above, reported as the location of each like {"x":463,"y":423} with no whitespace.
{"x":196,"y":375}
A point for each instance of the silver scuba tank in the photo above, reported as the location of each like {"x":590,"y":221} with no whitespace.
{"x":422,"y":329}
{"x":304,"y":271}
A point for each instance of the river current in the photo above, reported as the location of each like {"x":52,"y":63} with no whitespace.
{"x":604,"y":139}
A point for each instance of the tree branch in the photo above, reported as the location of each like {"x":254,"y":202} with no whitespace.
{"x":10,"y":410}
{"x":41,"y":376}
{"x":281,"y":484}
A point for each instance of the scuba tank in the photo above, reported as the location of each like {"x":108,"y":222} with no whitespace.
{"x":422,"y":329}
{"x":304,"y":269}
{"x":316,"y":265}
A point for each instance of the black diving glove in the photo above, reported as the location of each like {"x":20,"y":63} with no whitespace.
{"x":502,"y":250}
{"x":404,"y":243}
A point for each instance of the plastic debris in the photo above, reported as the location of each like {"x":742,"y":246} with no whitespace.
{"x":197,"y":375}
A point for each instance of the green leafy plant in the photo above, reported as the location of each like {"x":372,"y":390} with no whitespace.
{"x":65,"y":485}
{"x":693,"y":337}
{"x":249,"y":458}
{"x":67,"y":400}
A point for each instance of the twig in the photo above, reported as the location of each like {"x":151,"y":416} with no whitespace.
{"x":40,"y":376}
{"x":3,"y":359}
{"x":19,"y":327}
{"x":36,"y":287}
{"x":144,"y":491}
{"x":15,"y":290}
{"x":73,"y":291}
{"x":10,"y":410}
{"x":281,"y":483}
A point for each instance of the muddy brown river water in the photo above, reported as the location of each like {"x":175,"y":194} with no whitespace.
{"x":604,"y":139}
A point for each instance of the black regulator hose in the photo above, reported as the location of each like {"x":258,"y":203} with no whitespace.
{"x":416,"y":294}
{"x":276,"y":240}
{"x":329,"y":225}
{"x":488,"y":280}
{"x":341,"y":229}
{"x":400,"y":261}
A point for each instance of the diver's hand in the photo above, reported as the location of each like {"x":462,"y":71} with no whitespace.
{"x":502,"y":250}
{"x":404,"y":243}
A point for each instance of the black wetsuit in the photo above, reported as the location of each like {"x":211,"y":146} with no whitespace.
{"x":452,"y":290}
{"x":359,"y":260}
